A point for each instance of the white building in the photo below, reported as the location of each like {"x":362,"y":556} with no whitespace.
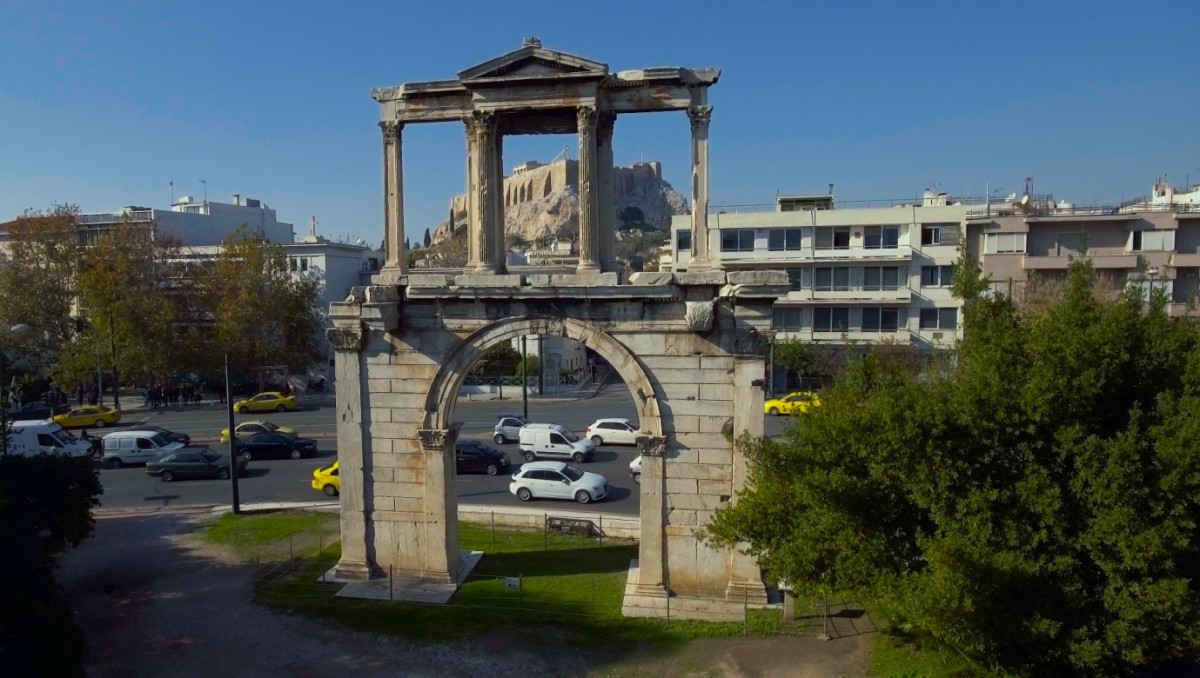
{"x":864,"y":274}
{"x":194,"y":222}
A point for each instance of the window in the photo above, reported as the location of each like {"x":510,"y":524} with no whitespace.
{"x":931,"y":235}
{"x":556,"y":439}
{"x":145,"y":444}
{"x":737,"y":240}
{"x":831,"y":319}
{"x":779,"y":239}
{"x":798,"y":277}
{"x":833,"y":237}
{"x":292,"y":263}
{"x":192,"y":209}
{"x":1152,"y":241}
{"x":45,"y":440}
{"x":939,"y":319}
{"x":837,"y":278}
{"x":882,"y":237}
{"x":881,"y":278}
{"x":880,"y":319}
{"x":683,"y":240}
{"x":303,"y":263}
{"x":937,"y":276}
{"x":788,"y":319}
{"x":1004,"y":243}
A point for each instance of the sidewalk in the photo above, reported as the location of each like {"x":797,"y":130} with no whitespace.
{"x":133,"y":402}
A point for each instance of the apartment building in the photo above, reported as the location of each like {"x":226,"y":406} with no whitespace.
{"x":859,"y":272}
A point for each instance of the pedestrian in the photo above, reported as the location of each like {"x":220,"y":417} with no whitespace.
{"x":287,"y":388}
{"x":79,"y":393}
{"x":146,"y":398}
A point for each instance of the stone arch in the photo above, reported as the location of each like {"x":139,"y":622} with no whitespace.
{"x":443,"y":392}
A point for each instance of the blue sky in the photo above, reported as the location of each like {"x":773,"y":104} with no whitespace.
{"x":103,"y":103}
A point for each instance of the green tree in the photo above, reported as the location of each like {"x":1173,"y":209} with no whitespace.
{"x":1032,"y":503}
{"x":428,"y":239}
{"x":262,"y":314}
{"x":527,"y":366}
{"x":36,"y":283}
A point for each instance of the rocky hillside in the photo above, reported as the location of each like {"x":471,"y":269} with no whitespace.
{"x":542,"y":201}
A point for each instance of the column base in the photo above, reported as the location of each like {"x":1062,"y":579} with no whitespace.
{"x":587,"y":268}
{"x":354,"y":570}
{"x":698,"y":264}
{"x":390,"y":275}
{"x":752,"y":593}
{"x":482,"y":269}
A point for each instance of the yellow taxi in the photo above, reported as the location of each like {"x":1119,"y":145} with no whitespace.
{"x":792,"y":403}
{"x":88,"y":416}
{"x":248,"y":428}
{"x":326,"y":480}
{"x":269,"y":401}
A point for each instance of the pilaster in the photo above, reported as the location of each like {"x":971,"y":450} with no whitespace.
{"x":395,"y":264}
{"x":500,"y":248}
{"x":441,"y":557}
{"x":749,"y":372}
{"x":607,"y":198}
{"x":589,"y":245}
{"x":652,"y":573}
{"x":356,"y":497}
{"x":699,"y":116}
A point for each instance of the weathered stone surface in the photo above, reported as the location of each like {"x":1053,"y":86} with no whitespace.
{"x":651,"y":278}
{"x":488,"y":281}
{"x":573,"y":280}
{"x":379,"y":294}
{"x":700,"y":278}
{"x":757,"y":277}
{"x":699,"y":315}
{"x":429,"y":280}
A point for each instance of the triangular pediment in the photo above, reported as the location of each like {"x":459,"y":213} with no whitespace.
{"x":533,"y":61}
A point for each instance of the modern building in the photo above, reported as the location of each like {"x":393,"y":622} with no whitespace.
{"x":194,"y":222}
{"x":861,"y":273}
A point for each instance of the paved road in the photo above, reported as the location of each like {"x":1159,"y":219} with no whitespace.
{"x":286,"y":480}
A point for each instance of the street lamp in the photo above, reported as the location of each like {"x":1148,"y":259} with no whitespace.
{"x":1151,"y":272}
{"x":16,"y":331}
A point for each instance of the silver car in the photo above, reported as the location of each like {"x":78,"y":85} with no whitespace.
{"x":508,"y":428}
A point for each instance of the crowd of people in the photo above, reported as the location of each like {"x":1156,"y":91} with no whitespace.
{"x":157,"y":396}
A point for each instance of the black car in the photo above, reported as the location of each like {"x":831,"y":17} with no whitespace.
{"x":36,"y":410}
{"x":171,"y":436}
{"x":191,"y":462}
{"x":275,"y":444}
{"x":472,"y":456}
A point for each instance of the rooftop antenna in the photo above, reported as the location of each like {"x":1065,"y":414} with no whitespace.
{"x":205,"y":191}
{"x":312,"y":226}
{"x":172,"y":182}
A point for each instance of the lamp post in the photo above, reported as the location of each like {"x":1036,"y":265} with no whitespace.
{"x":233,"y":465}
{"x":18,"y":330}
{"x":1152,"y":272}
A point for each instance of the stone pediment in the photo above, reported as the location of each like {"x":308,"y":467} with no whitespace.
{"x":534,"y":61}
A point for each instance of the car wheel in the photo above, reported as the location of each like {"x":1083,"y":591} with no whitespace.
{"x":583,"y":497}
{"x":774,"y":412}
{"x":492,"y":469}
{"x":330,"y":491}
{"x":295,"y":454}
{"x":598,"y":440}
{"x":577,"y":457}
{"x":246,"y":456}
{"x":524,"y":494}
{"x":223,"y":473}
{"x":529,"y":456}
{"x":167,"y":476}
{"x":113,"y":462}
{"x":99,"y":424}
{"x":500,"y":440}
{"x":280,"y":408}
{"x":637,"y":479}
{"x":243,"y":409}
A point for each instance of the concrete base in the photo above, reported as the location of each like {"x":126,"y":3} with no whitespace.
{"x":406,"y":590}
{"x":390,"y":276}
{"x":642,"y":601}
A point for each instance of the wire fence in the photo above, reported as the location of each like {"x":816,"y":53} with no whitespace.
{"x":542,"y":575}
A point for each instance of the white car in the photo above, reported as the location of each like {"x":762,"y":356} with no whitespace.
{"x":557,"y":480}
{"x":612,"y":432}
{"x":635,"y":469}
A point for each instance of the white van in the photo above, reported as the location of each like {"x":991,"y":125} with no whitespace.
{"x":30,"y":437}
{"x":554,"y":441}
{"x":134,"y":447}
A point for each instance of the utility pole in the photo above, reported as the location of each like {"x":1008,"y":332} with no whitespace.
{"x":233,"y":460}
{"x":524,"y":381}
{"x":541,"y":369}
{"x":99,"y":372}
{"x":112,"y":343}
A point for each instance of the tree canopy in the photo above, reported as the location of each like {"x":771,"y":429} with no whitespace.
{"x":1030,"y":500}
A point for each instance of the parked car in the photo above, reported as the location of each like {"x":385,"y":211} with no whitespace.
{"x":192,"y":462}
{"x":275,"y":444}
{"x":89,"y":416}
{"x":554,"y":441}
{"x":556,"y":480}
{"x":37,"y":410}
{"x":29,"y":438}
{"x":327,"y":480}
{"x":269,"y":401}
{"x":635,"y":469}
{"x":793,"y":403}
{"x":612,"y":432}
{"x":508,"y":428}
{"x":248,"y":428}
{"x":473,"y":456}
{"x":170,"y":435}
{"x":120,"y":448}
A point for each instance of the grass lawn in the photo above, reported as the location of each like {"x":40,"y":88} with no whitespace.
{"x":571,"y":588}
{"x":271,"y":536}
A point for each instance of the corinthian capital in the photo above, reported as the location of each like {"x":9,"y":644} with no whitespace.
{"x":585,"y":118}
{"x":699,"y":115}
{"x":391,"y":129}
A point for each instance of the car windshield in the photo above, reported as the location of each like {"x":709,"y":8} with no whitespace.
{"x":570,"y":436}
{"x":572,"y":473}
{"x":210,"y":456}
{"x":63,"y":437}
{"x":159,"y":440}
{"x":487,"y":449}
{"x":286,"y":436}
{"x":269,"y":426}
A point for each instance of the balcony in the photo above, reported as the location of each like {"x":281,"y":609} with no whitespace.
{"x":858,"y":295}
{"x":1182,"y":260}
{"x":1062,"y":262}
{"x":901,"y":253}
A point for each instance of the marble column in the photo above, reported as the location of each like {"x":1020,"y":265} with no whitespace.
{"x":498,"y":236}
{"x":589,"y":245}
{"x":441,"y":560}
{"x":396,"y":263}
{"x":652,"y":579}
{"x":353,"y":465}
{"x":607,"y":207}
{"x":482,"y":258}
{"x":699,"y":117}
{"x":474,"y":255}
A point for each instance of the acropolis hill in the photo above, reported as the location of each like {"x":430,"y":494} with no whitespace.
{"x":542,"y":200}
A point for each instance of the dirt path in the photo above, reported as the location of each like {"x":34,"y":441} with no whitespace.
{"x":154,"y":601}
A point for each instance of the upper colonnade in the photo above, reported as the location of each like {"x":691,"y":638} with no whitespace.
{"x":534,"y":90}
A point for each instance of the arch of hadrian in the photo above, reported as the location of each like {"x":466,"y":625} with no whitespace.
{"x":688,"y":345}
